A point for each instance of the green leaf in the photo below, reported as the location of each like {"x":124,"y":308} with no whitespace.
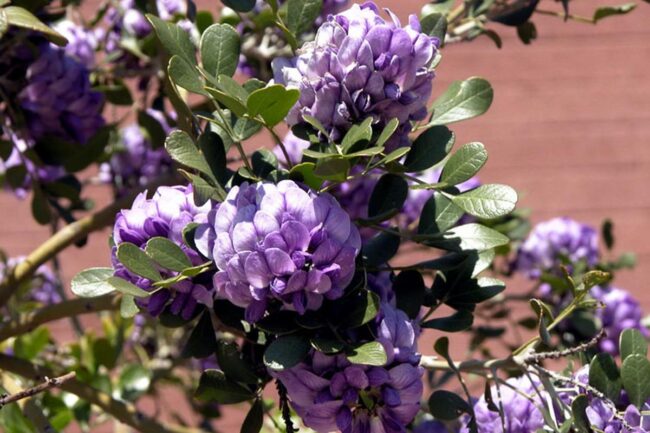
{"x":240,"y":5}
{"x":116,"y":94}
{"x":380,"y":248}
{"x":220,"y":50}
{"x":286,"y":352}
{"x":4,"y":24}
{"x":332,"y":168}
{"x":605,"y":377}
{"x":304,"y":172}
{"x":91,"y":282}
{"x":462,"y":100}
{"x":635,"y":372}
{"x":459,"y":321}
{"x":487,"y":201}
{"x":125,"y":287}
{"x":435,"y":25}
{"x":596,"y":278}
{"x":227,"y":100}
{"x":579,"y":406}
{"x":264,"y":162}
{"x":607,"y":11}
{"x":154,"y":129}
{"x":20,"y":17}
{"x":203,"y":190}
{"x":475,"y":236}
{"x":359,"y":309}
{"x":204,"y":19}
{"x":136,"y":261}
{"x":438,"y":214}
{"x":464,"y":164}
{"x":327,"y":345}
{"x":357,"y":133}
{"x":231,"y":362}
{"x":372,"y":353}
{"x":429,"y":148}
{"x":387,"y":132}
{"x":447,"y":406}
{"x":167,"y":254}
{"x":202,"y":340}
{"x":215,"y":387}
{"x":632,"y":342}
{"x":181,"y":148}
{"x":134,"y":381}
{"x":607,"y":232}
{"x":301,"y":14}
{"x":185,"y":75}
{"x":40,"y":206}
{"x":387,"y":197}
{"x":409,"y":291}
{"x":214,"y":151}
{"x":29,"y":345}
{"x":254,"y":419}
{"x":272,"y":103}
{"x":128,"y":307}
{"x":174,"y":39}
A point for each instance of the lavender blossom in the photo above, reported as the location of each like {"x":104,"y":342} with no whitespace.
{"x":361,"y":66}
{"x":138,"y":163}
{"x":166,"y":214}
{"x":331,"y":394}
{"x":41,"y":288}
{"x":553,"y":243}
{"x":294,"y":147}
{"x":279,"y":242}
{"x":82,"y":42}
{"x":620,"y":311}
{"x":520,"y":403}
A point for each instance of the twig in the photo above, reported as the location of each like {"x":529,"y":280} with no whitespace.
{"x":64,"y":238}
{"x":536,"y":357}
{"x":49,"y":383}
{"x":75,"y":307}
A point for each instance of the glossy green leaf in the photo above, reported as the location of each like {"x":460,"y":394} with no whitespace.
{"x":380,"y":248}
{"x":372,"y":353}
{"x":464,"y":164}
{"x":487,"y":201}
{"x":228,"y":100}
{"x":125,"y":287}
{"x":220,"y":50}
{"x":167,"y":254}
{"x":632,"y":342}
{"x":435,"y":25}
{"x":128,"y":307}
{"x":409,"y":291}
{"x":387,"y":132}
{"x":459,"y":321}
{"x":215,"y":387}
{"x":272,"y":103}
{"x":137,"y":261}
{"x":304,"y":172}
{"x":429,"y":148}
{"x":185,"y":75}
{"x":254,"y":419}
{"x":387,"y":197}
{"x":447,"y":406}
{"x":203,"y":190}
{"x":286,"y":352}
{"x":462,"y":100}
{"x":202,"y":341}
{"x":359,"y":309}
{"x":607,"y":11}
{"x":214,"y":152}
{"x":301,"y":14}
{"x":240,"y":5}
{"x":438,"y":215}
{"x":234,"y":366}
{"x":40,"y":206}
{"x":579,"y":406}
{"x":605,"y":377}
{"x":30,"y":344}
{"x":181,"y":148}
{"x":20,"y":17}
{"x":332,"y":168}
{"x":357,"y":133}
{"x":475,"y":236}
{"x":174,"y":39}
{"x":134,"y":380}
{"x":91,"y":282}
{"x":264,"y":162}
{"x":635,"y":373}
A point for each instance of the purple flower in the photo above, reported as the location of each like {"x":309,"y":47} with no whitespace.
{"x":82,"y":42}
{"x":138,"y":163}
{"x":279,"y":242}
{"x":331,"y":394}
{"x":620,"y":311}
{"x":520,"y":408}
{"x":294,"y":147}
{"x":361,"y":66}
{"x":43,"y":285}
{"x":553,"y":243}
{"x":168,"y":9}
{"x":166,"y":214}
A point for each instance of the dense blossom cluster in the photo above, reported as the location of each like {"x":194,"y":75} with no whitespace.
{"x":331,"y":394}
{"x":137,"y":163}
{"x":82,"y":42}
{"x":556,"y":242}
{"x":166,"y":214}
{"x":361,"y":66}
{"x":279,"y":242}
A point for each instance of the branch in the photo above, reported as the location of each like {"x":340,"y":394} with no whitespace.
{"x":49,"y":383}
{"x":64,"y":238}
{"x":122,"y":411}
{"x":28,"y":322}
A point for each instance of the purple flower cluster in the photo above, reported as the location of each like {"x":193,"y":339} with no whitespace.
{"x":555,"y":242}
{"x":279,"y":242}
{"x":82,"y":42}
{"x":361,"y":66}
{"x":330,"y":393}
{"x":520,"y":403}
{"x":137,"y":163}
{"x":166,"y":214}
{"x":620,"y":311}
{"x":42,"y":287}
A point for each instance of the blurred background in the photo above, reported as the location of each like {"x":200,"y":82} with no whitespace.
{"x":569,"y":129}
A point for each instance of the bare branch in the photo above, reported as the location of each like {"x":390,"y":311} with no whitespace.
{"x":48,"y":384}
